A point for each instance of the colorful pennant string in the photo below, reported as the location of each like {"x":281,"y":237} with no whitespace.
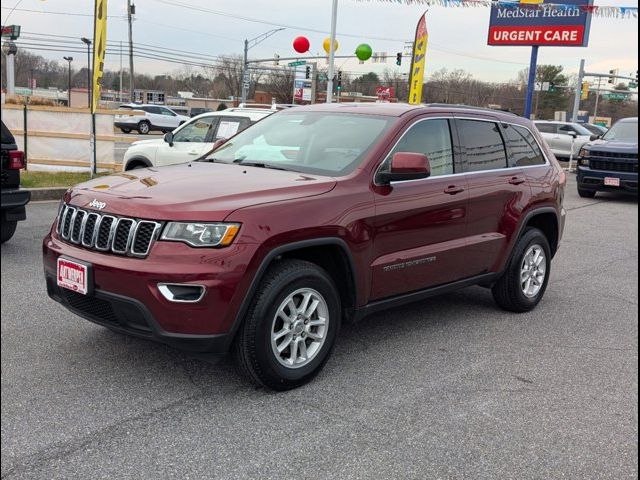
{"x":606,"y":11}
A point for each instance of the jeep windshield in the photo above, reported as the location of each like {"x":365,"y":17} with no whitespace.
{"x":319,"y":143}
{"x":623,"y":132}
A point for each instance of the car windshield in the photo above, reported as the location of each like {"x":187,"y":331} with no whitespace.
{"x":623,"y":131}
{"x":310,"y":142}
{"x":580,"y":130}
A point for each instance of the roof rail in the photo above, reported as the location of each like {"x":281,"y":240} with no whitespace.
{"x":470,"y":107}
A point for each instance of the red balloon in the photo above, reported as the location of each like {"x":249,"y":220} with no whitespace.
{"x":301,"y":44}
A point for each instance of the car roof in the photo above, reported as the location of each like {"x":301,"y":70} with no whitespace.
{"x":629,"y":120}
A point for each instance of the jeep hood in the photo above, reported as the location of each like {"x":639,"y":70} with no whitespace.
{"x":194,"y":191}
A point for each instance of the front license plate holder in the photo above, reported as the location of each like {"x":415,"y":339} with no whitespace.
{"x":74,"y":275}
{"x":611,"y":182}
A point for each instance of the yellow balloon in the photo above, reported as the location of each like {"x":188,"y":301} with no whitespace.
{"x":327,"y":45}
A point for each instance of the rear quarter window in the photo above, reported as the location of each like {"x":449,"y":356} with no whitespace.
{"x":523,"y":148}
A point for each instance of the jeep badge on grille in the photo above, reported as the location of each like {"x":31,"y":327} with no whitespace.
{"x":96,"y":204}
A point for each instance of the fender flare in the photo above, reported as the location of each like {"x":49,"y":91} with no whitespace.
{"x":139,"y":159}
{"x":270,"y":257}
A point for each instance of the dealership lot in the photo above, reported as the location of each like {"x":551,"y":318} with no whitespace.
{"x":448,"y":388}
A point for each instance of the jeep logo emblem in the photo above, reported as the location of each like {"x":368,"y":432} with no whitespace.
{"x":96,"y":204}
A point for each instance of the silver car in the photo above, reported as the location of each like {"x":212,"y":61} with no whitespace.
{"x":564,"y":137}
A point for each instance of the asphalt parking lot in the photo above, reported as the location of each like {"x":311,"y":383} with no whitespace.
{"x":448,"y":388}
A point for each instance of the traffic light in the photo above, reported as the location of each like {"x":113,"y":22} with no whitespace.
{"x":276,"y":59}
{"x":585,"y":91}
{"x":612,"y":77}
{"x":552,"y":87}
{"x":339,"y":80}
{"x":307,"y":72}
{"x":399,"y":59}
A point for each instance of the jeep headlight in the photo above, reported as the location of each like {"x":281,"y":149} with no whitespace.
{"x":201,"y":234}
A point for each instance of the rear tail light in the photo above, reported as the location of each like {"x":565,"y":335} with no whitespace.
{"x":16,"y":160}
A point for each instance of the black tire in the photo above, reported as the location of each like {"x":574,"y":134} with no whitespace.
{"x":507,"y":291}
{"x":125,"y":130}
{"x":586,"y":193}
{"x":254,"y":354}
{"x":144,"y":127}
{"x":8,"y":229}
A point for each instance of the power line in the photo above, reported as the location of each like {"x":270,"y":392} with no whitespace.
{"x":48,"y":12}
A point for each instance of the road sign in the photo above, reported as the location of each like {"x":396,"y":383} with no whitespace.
{"x":11,"y":31}
{"x":633,"y":85}
{"x":297,"y":63}
{"x":616,"y":96}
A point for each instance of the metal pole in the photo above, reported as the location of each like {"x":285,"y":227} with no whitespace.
{"x":131,"y":74}
{"x":245,"y":74}
{"x":576,"y":99}
{"x":11,"y":74}
{"x":69,"y":87}
{"x":120,"y":87}
{"x":25,"y":135}
{"x":532,"y":81}
{"x":595,"y":108}
{"x":332,"y":53}
{"x":89,"y":74}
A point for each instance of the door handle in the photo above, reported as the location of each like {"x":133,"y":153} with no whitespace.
{"x":517,"y":180}
{"x":453,"y":190}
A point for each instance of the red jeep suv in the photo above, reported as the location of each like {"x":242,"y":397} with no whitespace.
{"x":312,"y":217}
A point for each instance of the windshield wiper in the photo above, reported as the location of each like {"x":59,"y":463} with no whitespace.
{"x":259,"y":165}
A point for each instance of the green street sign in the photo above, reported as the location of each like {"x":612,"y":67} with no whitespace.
{"x":11,"y":31}
{"x":633,"y":85}
{"x":616,"y":96}
{"x":297,"y":63}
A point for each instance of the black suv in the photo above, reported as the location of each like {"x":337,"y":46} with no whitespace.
{"x":13,"y":198}
{"x":610,"y":164}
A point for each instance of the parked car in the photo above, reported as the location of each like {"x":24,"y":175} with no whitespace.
{"x":13,"y":198}
{"x":611,"y":163}
{"x":192,"y":140}
{"x":562,"y":136}
{"x":155,"y":117}
{"x":312,"y":217}
{"x":595,"y":129}
{"x":195,"y":111}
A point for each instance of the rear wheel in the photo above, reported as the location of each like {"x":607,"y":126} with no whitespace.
{"x":144,"y":127}
{"x":8,"y":229}
{"x":526,"y":278}
{"x":290,"y":329}
{"x":586,"y":193}
{"x":125,"y":130}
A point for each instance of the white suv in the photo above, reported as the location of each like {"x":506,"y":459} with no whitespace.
{"x":191,"y":140}
{"x":562,"y":136}
{"x":155,"y":117}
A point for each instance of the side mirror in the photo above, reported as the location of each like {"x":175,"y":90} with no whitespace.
{"x":406,"y":166}
{"x":573,"y":135}
{"x":168,"y":137}
{"x":594,"y":137}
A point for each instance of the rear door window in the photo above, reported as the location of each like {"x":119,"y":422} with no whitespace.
{"x":523,"y":148}
{"x":547,"y":127}
{"x":483,"y":145}
{"x":432,"y":138}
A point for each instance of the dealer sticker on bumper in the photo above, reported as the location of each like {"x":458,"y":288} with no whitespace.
{"x":73,"y":276}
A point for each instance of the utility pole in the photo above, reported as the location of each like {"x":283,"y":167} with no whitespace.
{"x":10,"y":49}
{"x":120,"y":87}
{"x":332,"y":52}
{"x":578,"y":95}
{"x":248,"y":44}
{"x":131,"y":10}
{"x":87,"y":42}
{"x":595,"y":108}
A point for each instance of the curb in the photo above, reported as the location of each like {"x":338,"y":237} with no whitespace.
{"x":46,"y":193}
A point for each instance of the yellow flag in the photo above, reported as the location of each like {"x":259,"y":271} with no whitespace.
{"x":99,"y":49}
{"x":416,"y":79}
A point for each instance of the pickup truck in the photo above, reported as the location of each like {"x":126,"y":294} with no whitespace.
{"x":14,"y":198}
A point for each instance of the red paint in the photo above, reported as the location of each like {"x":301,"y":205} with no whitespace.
{"x":401,"y":237}
{"x":537,"y":35}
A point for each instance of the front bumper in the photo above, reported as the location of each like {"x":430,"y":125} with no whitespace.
{"x":13,"y":203}
{"x":126,"y":124}
{"x":594,"y":180}
{"x":126,"y":297}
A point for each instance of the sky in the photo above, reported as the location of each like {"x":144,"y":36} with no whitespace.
{"x":457,"y":36}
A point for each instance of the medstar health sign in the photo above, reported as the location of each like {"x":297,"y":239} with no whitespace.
{"x":556,"y":23}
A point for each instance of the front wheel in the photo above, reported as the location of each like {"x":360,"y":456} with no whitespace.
{"x":144,"y":128}
{"x":8,"y":229}
{"x":125,"y":130}
{"x":525,"y":280}
{"x":290,"y":329}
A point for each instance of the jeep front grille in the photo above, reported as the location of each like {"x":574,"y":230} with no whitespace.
{"x":106,"y":233}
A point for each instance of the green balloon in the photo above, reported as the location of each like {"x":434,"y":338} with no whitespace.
{"x":364,"y":52}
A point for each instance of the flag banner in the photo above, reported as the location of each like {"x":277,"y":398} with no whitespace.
{"x":416,"y":80}
{"x":99,"y":49}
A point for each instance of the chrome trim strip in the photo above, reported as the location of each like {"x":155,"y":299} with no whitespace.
{"x":94,"y":234}
{"x":111,"y":232}
{"x":154,"y":236}
{"x":61,"y":212}
{"x":166,"y":293}
{"x":82,"y":223}
{"x":72,"y":211}
{"x":129,"y":235}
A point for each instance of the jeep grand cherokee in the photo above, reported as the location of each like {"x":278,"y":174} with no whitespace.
{"x":312,"y":217}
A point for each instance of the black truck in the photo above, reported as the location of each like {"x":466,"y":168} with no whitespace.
{"x":14,"y":199}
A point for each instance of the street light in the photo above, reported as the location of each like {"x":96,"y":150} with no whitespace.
{"x":247,"y":45}
{"x":69,"y":59}
{"x":87,"y":42}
